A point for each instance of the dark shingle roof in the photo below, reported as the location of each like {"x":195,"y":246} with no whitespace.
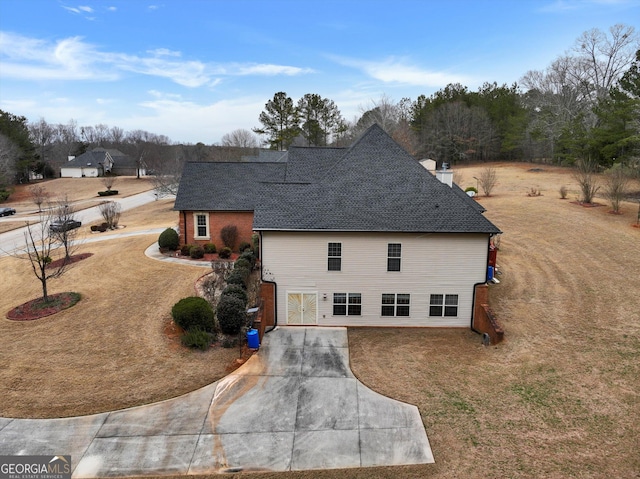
{"x":97,"y":157}
{"x":374,"y":186}
{"x":220,"y":186}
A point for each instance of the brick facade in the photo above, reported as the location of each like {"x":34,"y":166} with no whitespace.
{"x":484,"y":320}
{"x":243,"y":220}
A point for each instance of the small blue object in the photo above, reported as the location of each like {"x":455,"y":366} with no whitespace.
{"x":490,"y":274}
{"x":253,"y":339}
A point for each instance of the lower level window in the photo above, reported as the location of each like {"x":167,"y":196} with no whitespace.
{"x":347,"y":304}
{"x":395,"y":304}
{"x":443,"y":305}
{"x":202,"y":226}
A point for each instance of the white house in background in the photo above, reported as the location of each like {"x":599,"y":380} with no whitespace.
{"x":101,"y":161}
{"x":359,"y":236}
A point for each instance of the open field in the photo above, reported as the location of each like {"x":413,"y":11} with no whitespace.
{"x":559,"y":398}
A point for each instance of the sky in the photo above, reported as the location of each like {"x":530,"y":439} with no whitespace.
{"x":194,"y":70}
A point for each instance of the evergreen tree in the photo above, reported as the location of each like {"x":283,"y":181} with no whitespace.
{"x":279,"y":122}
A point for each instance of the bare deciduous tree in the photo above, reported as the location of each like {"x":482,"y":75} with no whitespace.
{"x":110,"y":211}
{"x":39,"y":195}
{"x":615,"y":187}
{"x":585,"y":175}
{"x":63,"y":213}
{"x":108,"y":182}
{"x":488,"y":178}
{"x":40,"y":247}
{"x":241,"y":138}
{"x":167,"y":176}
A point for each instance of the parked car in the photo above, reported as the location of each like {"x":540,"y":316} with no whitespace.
{"x":7,"y":211}
{"x":62,"y":226}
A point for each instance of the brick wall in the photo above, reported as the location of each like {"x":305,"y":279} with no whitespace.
{"x":243,"y":220}
{"x":484,"y":321}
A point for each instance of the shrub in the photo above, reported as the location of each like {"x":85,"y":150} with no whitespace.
{"x":193,"y":313}
{"x":229,"y":235}
{"x":185,"y":249}
{"x":231,"y":314}
{"x":471,"y":188}
{"x":563,"y":192}
{"x":585,"y":175}
{"x":196,"y":338}
{"x":210,"y":248}
{"x":107,"y":193}
{"x":248,"y":256}
{"x":225,"y":253}
{"x":237,"y":277}
{"x":255,"y":240}
{"x":4,"y":194}
{"x":488,"y":178}
{"x":237,"y":291}
{"x":169,"y":239}
{"x":244,"y":246}
{"x":196,"y":252}
{"x":242,"y":263}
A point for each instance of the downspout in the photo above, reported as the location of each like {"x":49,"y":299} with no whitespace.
{"x":184,"y":221}
{"x":486,"y":279}
{"x":275,"y":292}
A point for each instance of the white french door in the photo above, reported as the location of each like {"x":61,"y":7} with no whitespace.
{"x":302,"y":308}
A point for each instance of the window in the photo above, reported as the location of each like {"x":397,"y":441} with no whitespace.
{"x":443,"y":305}
{"x":394,"y":252}
{"x":395,"y":304}
{"x":335,"y":257}
{"x":202,"y":225}
{"x":347,"y":304}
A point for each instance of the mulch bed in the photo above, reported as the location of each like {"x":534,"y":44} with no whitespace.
{"x":73,"y":259}
{"x":587,"y":205}
{"x":37,"y":308}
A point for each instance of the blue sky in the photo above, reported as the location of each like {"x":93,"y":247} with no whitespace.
{"x":194,"y":70}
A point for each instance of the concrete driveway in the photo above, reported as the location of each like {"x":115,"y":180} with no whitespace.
{"x":294,"y":405}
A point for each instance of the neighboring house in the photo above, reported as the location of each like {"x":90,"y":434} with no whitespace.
{"x":359,"y":236}
{"x":99,"y":162}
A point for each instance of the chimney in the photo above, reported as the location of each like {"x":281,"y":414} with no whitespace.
{"x":445,"y":175}
{"x":69,"y":158}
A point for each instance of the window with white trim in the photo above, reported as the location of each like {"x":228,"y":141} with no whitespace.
{"x":347,"y":304}
{"x":443,"y":305}
{"x":334,"y":257}
{"x":395,"y":304}
{"x":201,"y":225}
{"x":394,"y":254}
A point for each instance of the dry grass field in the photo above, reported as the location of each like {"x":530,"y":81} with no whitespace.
{"x":560,"y":397}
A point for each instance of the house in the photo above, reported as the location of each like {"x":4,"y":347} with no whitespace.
{"x":101,"y":161}
{"x":359,"y":236}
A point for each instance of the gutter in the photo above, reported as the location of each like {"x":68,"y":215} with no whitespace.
{"x":184,"y":219}
{"x":275,"y":292}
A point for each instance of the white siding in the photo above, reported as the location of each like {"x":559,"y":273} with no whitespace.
{"x":77,"y":172}
{"x":431,"y":264}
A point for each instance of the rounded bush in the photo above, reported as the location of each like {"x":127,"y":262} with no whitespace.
{"x":196,"y":338}
{"x":242,"y":263}
{"x":236,"y":277}
{"x":185,"y":249}
{"x":193,"y":313}
{"x":249,"y":256}
{"x":244,"y":246}
{"x":210,"y":248}
{"x":196,"y":252}
{"x":237,"y":291}
{"x":471,"y":188}
{"x":169,"y":239}
{"x":225,"y":253}
{"x":231,"y":314}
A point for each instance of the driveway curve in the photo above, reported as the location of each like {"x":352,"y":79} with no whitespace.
{"x":294,"y":405}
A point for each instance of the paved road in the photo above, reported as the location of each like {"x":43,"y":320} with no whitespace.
{"x":13,"y":240}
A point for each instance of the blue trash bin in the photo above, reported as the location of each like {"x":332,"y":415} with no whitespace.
{"x":253,"y":339}
{"x":490,"y":273}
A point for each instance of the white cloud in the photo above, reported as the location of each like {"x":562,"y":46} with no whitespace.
{"x":399,"y":71}
{"x":73,"y":59}
{"x":85,"y":9}
{"x":112,"y":9}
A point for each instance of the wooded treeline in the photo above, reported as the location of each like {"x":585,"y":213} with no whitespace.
{"x":584,"y":105}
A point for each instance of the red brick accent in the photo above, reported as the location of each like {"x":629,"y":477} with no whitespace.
{"x":484,"y":321}
{"x":243,"y":220}
{"x":267,"y":314}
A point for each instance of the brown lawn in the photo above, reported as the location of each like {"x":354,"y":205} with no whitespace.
{"x":559,"y":398}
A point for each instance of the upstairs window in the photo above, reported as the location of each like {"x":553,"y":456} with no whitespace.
{"x":395,"y":304}
{"x":335,"y":257}
{"x":347,"y":304}
{"x":443,"y":305}
{"x":394,"y":253}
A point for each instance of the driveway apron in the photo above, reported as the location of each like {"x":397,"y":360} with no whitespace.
{"x":295,"y":405}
